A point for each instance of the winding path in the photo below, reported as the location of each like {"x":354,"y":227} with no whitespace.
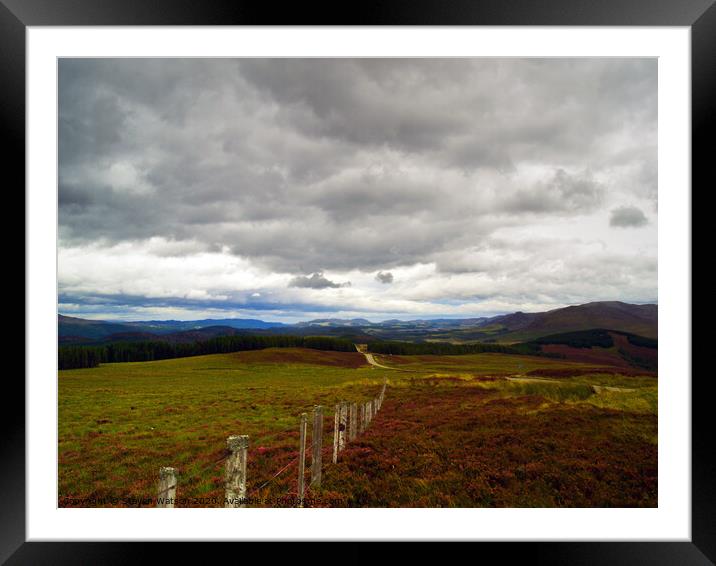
{"x":363,"y":349}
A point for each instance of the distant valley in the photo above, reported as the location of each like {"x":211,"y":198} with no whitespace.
{"x":516,"y":327}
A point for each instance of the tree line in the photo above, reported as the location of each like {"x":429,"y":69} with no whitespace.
{"x":595,"y":337}
{"x":73,"y":356}
{"x":448,"y":349}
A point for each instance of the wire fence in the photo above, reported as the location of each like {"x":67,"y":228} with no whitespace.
{"x":349,"y":421}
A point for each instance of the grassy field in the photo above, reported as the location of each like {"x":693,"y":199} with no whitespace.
{"x":452,"y":430}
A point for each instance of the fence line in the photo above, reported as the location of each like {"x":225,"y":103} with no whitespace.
{"x":163,"y":495}
{"x":350,"y":420}
{"x":317,"y":441}
{"x":302,"y":460}
{"x":167,"y":486}
{"x":235,"y":474}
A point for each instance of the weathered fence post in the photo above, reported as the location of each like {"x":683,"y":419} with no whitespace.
{"x":167,"y":487}
{"x":336,"y":432}
{"x":375,"y":405}
{"x":342,"y":427}
{"x":317,"y":440}
{"x":361,"y":419}
{"x":235,"y":474}
{"x":369,"y":411}
{"x":302,"y":459}
{"x":353,"y":428}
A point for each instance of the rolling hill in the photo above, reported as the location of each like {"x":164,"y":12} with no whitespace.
{"x":603,"y":347}
{"x":72,"y":330}
{"x":614,"y":315}
{"x":75,"y":329}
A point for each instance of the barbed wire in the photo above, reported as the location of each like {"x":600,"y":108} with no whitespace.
{"x":281,"y":471}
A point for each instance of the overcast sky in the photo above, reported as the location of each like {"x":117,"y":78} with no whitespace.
{"x":290,"y":189}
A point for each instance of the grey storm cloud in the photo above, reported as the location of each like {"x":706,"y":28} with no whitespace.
{"x":627,"y":217}
{"x":563,"y":192}
{"x":308,"y":164}
{"x":316,"y":281}
{"x":352,"y":165}
{"x":385,"y":277}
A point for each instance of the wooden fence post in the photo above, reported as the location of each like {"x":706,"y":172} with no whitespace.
{"x":369,"y":411}
{"x":317,"y":440}
{"x":302,"y":459}
{"x":235,"y":473}
{"x":336,"y":427}
{"x":342,"y":427}
{"x":361,"y":419}
{"x":167,"y":487}
{"x":353,"y":428}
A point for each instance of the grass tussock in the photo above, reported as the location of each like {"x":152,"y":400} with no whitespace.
{"x":557,"y":392}
{"x":643,"y":401}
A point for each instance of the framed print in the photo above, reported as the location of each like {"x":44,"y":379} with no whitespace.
{"x":398,"y":277}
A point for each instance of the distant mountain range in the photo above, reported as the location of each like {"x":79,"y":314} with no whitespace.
{"x":515,"y":327}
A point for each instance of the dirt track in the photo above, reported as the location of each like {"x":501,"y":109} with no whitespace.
{"x":372,"y":361}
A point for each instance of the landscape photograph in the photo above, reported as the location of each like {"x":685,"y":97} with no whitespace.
{"x":357,"y":283}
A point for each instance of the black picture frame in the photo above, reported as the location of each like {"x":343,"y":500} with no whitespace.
{"x":699,"y":15}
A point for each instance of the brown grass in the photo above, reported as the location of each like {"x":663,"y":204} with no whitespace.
{"x":302,"y":356}
{"x":463,"y":447}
